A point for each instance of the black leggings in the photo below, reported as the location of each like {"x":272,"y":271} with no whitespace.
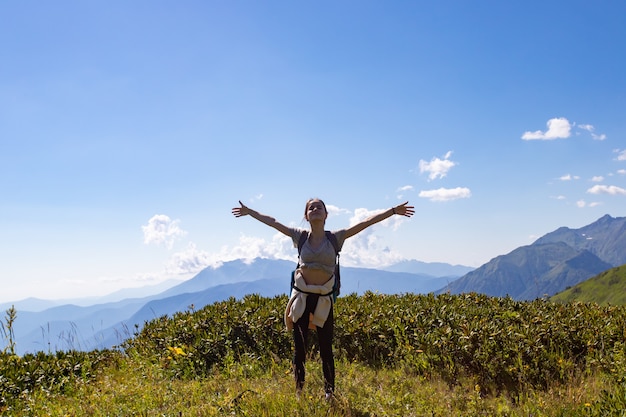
{"x":325,"y":337}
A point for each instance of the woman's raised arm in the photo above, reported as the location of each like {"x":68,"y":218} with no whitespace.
{"x":403,"y":210}
{"x":268,"y":220}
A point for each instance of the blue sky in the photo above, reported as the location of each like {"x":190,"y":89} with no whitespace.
{"x":128,"y":130}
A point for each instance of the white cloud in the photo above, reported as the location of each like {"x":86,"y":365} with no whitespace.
{"x":607,"y":189}
{"x":437,"y":168}
{"x":591,"y":129}
{"x":621,"y":154}
{"x":583,"y":204}
{"x":598,"y":137}
{"x":597,"y":178}
{"x":280,"y":247}
{"x":367,"y":249}
{"x":192,"y":260}
{"x":446,"y":194}
{"x":162,"y":230}
{"x":621,"y":171}
{"x":558,"y":128}
{"x":336,"y":211}
{"x":188,"y":261}
{"x":402,"y":190}
{"x":361,"y":214}
{"x":569,"y":177}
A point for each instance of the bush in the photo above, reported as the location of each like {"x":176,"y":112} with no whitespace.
{"x":51,"y":373}
{"x":503,"y":344}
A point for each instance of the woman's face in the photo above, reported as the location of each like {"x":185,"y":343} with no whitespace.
{"x":315,"y":210}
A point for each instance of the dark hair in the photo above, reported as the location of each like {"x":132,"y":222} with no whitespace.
{"x":309,"y":201}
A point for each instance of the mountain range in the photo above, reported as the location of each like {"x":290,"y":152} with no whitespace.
{"x":106,"y":324}
{"x":551,"y":264}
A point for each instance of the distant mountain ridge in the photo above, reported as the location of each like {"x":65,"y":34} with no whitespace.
{"x":605,"y":238}
{"x":552,"y":263}
{"x":103,"y":325}
{"x":436,"y":269}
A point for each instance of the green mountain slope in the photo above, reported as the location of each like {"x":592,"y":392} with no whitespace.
{"x":609,"y":287}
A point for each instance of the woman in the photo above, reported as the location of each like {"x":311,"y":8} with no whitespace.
{"x":311,"y":299}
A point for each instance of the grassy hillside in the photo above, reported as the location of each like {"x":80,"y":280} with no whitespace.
{"x":609,"y":287}
{"x":404,"y":355}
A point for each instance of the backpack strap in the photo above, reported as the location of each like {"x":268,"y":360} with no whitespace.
{"x":329,"y":235}
{"x":337,"y":287}
{"x":303,"y":237}
{"x":333,"y":239}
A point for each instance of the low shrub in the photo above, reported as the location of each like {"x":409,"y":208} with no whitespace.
{"x":505,"y":345}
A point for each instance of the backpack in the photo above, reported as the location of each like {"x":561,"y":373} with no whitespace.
{"x":333,"y":240}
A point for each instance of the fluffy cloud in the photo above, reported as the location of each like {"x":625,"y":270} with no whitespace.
{"x":446,"y":194}
{"x":437,"y":168}
{"x":190,"y":260}
{"x":335,"y":211}
{"x":621,"y":154}
{"x":558,"y":128}
{"x":367,"y":249}
{"x":607,"y":189}
{"x":161,"y":230}
{"x":361,"y":214}
{"x":561,"y":128}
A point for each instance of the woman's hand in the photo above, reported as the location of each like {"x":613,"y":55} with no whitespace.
{"x":404,"y":210}
{"x":240,"y":211}
{"x":270,"y":221}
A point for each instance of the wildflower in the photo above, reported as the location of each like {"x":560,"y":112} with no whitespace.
{"x":176,"y":350}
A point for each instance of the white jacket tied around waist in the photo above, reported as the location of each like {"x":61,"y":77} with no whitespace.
{"x":297,"y":301}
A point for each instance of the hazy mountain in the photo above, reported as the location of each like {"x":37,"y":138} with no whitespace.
{"x":436,"y":269}
{"x":30,"y":304}
{"x":353,"y":280}
{"x":232,"y":272}
{"x":137,"y":292}
{"x":557,"y":260}
{"x":35,"y":304}
{"x":107,"y":324}
{"x":69,"y":326}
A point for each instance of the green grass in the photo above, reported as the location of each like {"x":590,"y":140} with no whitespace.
{"x":609,"y":287}
{"x":133,"y":389}
{"x":404,"y":355}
